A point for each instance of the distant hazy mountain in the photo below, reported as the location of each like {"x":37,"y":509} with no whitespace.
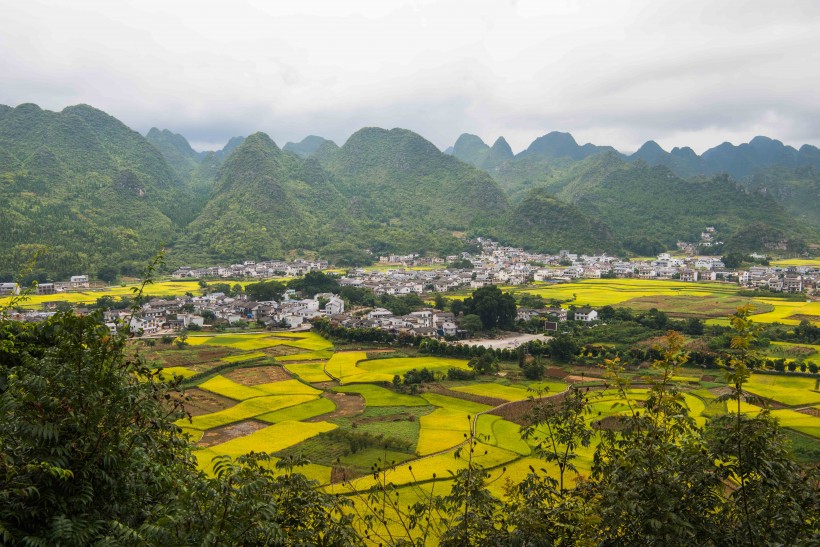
{"x":307,"y":147}
{"x":562,"y":145}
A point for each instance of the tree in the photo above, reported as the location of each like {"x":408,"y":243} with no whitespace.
{"x":496,"y":309}
{"x":471,"y":323}
{"x":89,"y":446}
{"x":315,"y":282}
{"x":107,"y":274}
{"x":563,"y":347}
{"x":484,"y":364}
{"x":265,"y":291}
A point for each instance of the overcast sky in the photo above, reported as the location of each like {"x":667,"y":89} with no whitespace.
{"x":684,"y":73}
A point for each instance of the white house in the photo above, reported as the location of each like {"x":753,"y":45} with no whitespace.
{"x":586,"y":314}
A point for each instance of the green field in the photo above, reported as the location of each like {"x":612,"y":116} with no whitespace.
{"x":379,"y":396}
{"x":693,"y":299}
{"x":433,"y":425}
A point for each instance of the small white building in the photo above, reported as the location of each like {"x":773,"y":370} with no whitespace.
{"x":586,"y":314}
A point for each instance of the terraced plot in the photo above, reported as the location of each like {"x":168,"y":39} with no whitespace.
{"x":343,"y":366}
{"x":495,"y":431}
{"x":448,"y":425}
{"x":269,"y":439}
{"x":245,"y":410}
{"x":789,"y":390}
{"x":309,"y":372}
{"x":306,"y":356}
{"x":169,"y":372}
{"x":383,"y":370}
{"x":305,"y":340}
{"x":303,"y":411}
{"x":498,"y":391}
{"x":376,"y":396}
{"x":227,"y":387}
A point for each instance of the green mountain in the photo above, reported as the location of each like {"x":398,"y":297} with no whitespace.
{"x":409,"y":195}
{"x":266,"y":202}
{"x":546,"y":224}
{"x":84,"y":188}
{"x":471,"y":149}
{"x":798,"y":189}
{"x":641,"y":200}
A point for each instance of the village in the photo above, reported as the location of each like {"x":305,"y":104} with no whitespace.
{"x":399,"y":275}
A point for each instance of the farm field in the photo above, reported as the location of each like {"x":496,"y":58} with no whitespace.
{"x":159,"y":288}
{"x":378,"y":396}
{"x":788,"y":390}
{"x":295,"y":407}
{"x":704,"y":300}
{"x":812,"y":262}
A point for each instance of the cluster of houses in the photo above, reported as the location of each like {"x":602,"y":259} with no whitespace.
{"x":217,"y":308}
{"x":500,"y":265}
{"x":262,"y":270}
{"x":74,"y":283}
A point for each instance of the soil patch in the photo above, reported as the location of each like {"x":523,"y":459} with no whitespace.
{"x":347,"y":405}
{"x":204,"y":402}
{"x":225,"y":433}
{"x":702,"y":307}
{"x":275,"y":351}
{"x":810,"y":411}
{"x":252,"y":376}
{"x":610,"y":423}
{"x":517,"y":411}
{"x":806,"y":316}
{"x":574,"y":379}
{"x":556,"y":373}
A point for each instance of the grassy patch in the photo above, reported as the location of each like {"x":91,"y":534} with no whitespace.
{"x":379,"y":396}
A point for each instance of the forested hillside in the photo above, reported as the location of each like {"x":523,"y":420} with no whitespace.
{"x":92,"y":195}
{"x":82,"y":188}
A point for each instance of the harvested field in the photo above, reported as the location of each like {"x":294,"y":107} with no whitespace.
{"x":811,"y":411}
{"x":258,"y":375}
{"x":219,"y":435}
{"x":347,"y":405}
{"x":701,"y":307}
{"x":204,"y":402}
